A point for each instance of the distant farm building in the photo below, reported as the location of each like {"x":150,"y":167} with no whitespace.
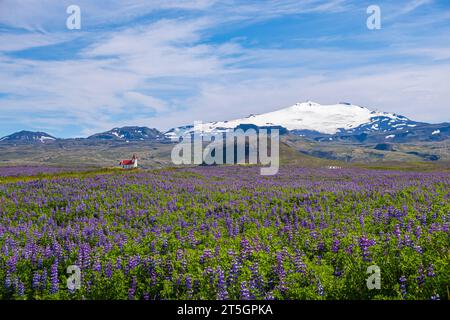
{"x":129,"y":164}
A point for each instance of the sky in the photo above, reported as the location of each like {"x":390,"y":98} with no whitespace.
{"x":167,"y":63}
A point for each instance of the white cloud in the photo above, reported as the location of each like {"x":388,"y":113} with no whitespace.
{"x":145,"y":101}
{"x":414,"y":4}
{"x":17,"y":42}
{"x":418,"y":92}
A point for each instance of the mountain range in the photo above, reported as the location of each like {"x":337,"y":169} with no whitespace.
{"x":338,"y":122}
{"x":129,"y":134}
{"x":343,"y":122}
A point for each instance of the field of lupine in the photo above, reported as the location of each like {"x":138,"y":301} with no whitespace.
{"x":226,"y":233}
{"x":16,"y":171}
{"x":22,"y":171}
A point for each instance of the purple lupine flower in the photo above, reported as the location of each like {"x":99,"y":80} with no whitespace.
{"x":209,"y":272}
{"x":44,"y":279}
{"x":321,"y":246}
{"x":133,"y":263}
{"x":36,"y":281}
{"x":15,"y":283}
{"x":132,"y":289}
{"x":88,"y":286}
{"x":207,"y":254}
{"x":300,"y":267}
{"x":233,"y":274}
{"x":424,"y":219}
{"x":84,"y":256}
{"x":54,"y":278}
{"x":402,"y":281}
{"x":164,"y":246}
{"x":335,"y":245}
{"x":256,"y":281}
{"x":269,"y":296}
{"x":109,"y":270}
{"x":8,"y":282}
{"x":188,"y":283}
{"x":418,"y":232}
{"x":246,"y":249}
{"x":21,"y":289}
{"x":217,"y":251}
{"x":196,"y":285}
{"x":280,"y":271}
{"x":179,"y":255}
{"x":245,"y":293}
{"x":152,"y":264}
{"x":421,"y":277}
{"x":337,"y":271}
{"x":97,"y":267}
{"x":430,"y":271}
{"x":349,"y":249}
{"x":320,"y":290}
{"x":407,"y":241}
{"x":222,"y":293}
{"x":12,"y":263}
{"x":119,"y":263}
{"x":364,"y":245}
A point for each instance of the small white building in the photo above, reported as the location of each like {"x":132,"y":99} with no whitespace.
{"x":129,"y":164}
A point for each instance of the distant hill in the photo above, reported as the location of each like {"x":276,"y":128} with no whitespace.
{"x":130,"y":134}
{"x":28,"y":137}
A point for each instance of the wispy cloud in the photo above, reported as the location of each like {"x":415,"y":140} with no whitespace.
{"x":50,"y":15}
{"x":413,"y":5}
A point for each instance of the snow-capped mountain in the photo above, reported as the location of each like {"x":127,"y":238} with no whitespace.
{"x":129,"y":134}
{"x":175,"y":133}
{"x":310,"y":117}
{"x":28,"y":137}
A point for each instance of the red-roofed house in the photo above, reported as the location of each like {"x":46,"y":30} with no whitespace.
{"x":129,"y":164}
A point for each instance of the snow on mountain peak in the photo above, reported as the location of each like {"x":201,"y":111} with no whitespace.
{"x":309,"y":115}
{"x":307,"y":103}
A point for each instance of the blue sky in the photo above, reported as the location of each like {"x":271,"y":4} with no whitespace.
{"x":165,"y":63}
